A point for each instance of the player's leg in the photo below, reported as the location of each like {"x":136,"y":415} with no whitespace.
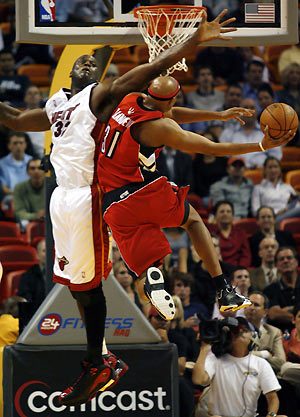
{"x":84,"y":247}
{"x":150,"y":286}
{"x":227,"y":297}
{"x":96,"y":376}
{"x":119,"y":366}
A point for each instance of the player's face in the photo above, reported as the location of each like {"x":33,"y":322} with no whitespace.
{"x":85,"y":71}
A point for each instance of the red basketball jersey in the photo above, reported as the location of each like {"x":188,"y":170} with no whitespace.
{"x":122,"y":160}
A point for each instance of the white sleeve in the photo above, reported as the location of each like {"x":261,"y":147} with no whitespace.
{"x":210,"y":364}
{"x":267,"y":378}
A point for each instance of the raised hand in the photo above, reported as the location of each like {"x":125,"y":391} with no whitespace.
{"x":236,"y":113}
{"x":268,"y":143}
{"x":208,"y":31}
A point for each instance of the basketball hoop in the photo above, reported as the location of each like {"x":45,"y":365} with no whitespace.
{"x":165,"y":26}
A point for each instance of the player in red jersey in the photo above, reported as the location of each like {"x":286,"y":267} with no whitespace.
{"x":138,"y":202}
{"x":76,"y":153}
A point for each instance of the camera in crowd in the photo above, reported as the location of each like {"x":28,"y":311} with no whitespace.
{"x":218,"y":333}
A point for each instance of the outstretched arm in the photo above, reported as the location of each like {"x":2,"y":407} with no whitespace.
{"x":186,"y":115}
{"x":22,"y":121}
{"x":139,"y":77}
{"x":167,"y":132}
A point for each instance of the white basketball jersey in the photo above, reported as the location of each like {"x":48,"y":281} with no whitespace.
{"x":75,"y":134}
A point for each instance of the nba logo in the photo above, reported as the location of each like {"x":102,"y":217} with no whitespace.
{"x":47,"y":10}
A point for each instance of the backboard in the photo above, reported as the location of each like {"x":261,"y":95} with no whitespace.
{"x":262,"y":22}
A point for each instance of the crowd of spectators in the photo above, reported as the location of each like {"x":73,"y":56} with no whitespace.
{"x":262,"y":265}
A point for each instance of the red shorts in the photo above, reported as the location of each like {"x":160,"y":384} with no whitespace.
{"x":136,"y":218}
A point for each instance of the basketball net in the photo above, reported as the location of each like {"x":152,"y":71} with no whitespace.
{"x":165,"y":26}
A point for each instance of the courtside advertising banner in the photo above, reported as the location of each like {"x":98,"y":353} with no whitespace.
{"x":34,"y":376}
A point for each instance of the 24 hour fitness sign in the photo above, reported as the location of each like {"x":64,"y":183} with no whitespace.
{"x":35,"y":376}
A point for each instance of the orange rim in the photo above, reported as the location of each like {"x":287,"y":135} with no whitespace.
{"x":168,"y":9}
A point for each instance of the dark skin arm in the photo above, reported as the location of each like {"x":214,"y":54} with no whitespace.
{"x":167,"y":132}
{"x":105,"y":97}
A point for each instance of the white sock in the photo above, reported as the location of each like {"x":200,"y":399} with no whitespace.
{"x":104,"y":348}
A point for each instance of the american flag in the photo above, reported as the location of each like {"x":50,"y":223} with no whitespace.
{"x":260,"y":12}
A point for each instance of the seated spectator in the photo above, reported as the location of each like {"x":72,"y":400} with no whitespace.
{"x":267,"y":273}
{"x":285,"y":293}
{"x":235,"y":187}
{"x":186,"y":392}
{"x":32,"y":286}
{"x":125,"y":279}
{"x":33,"y":100}
{"x":290,"y":371}
{"x":230,"y":369}
{"x":233,"y":98}
{"x":290,"y":80}
{"x":221,"y":60}
{"x":13,"y":166}
{"x":250,"y":132}
{"x":247,"y":53}
{"x":183,"y":288}
{"x":12,"y":85}
{"x":273,"y":192}
{"x":265,"y":96}
{"x":179,"y":243}
{"x":177,"y":166}
{"x":205,"y":97}
{"x":269,"y":343}
{"x":254,"y":80}
{"x":207,"y":170}
{"x":205,"y":291}
{"x":9,"y":321}
{"x":240,"y":280}
{"x":233,"y":240}
{"x":266,"y":221}
{"x":29,"y":196}
{"x":291,"y":342}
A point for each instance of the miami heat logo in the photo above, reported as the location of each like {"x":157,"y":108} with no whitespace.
{"x":62,"y":262}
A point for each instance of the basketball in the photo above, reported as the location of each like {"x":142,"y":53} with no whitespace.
{"x":280,"y":118}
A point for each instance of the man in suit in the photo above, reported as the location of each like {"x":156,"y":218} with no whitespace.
{"x":266,"y":273}
{"x":269,"y":341}
{"x":176,"y":166}
{"x":269,"y":346}
{"x":266,"y":220}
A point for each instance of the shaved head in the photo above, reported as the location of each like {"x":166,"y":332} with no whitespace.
{"x":163,"y":88}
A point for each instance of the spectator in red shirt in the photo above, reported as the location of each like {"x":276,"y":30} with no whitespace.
{"x":233,"y":240}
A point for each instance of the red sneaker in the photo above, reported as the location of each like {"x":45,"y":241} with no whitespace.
{"x":117,"y":364}
{"x":92,"y":379}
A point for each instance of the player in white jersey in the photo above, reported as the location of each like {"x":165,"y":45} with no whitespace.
{"x":77,"y":118}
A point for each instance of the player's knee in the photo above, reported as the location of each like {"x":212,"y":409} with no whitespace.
{"x":193,"y":218}
{"x":89,"y":298}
